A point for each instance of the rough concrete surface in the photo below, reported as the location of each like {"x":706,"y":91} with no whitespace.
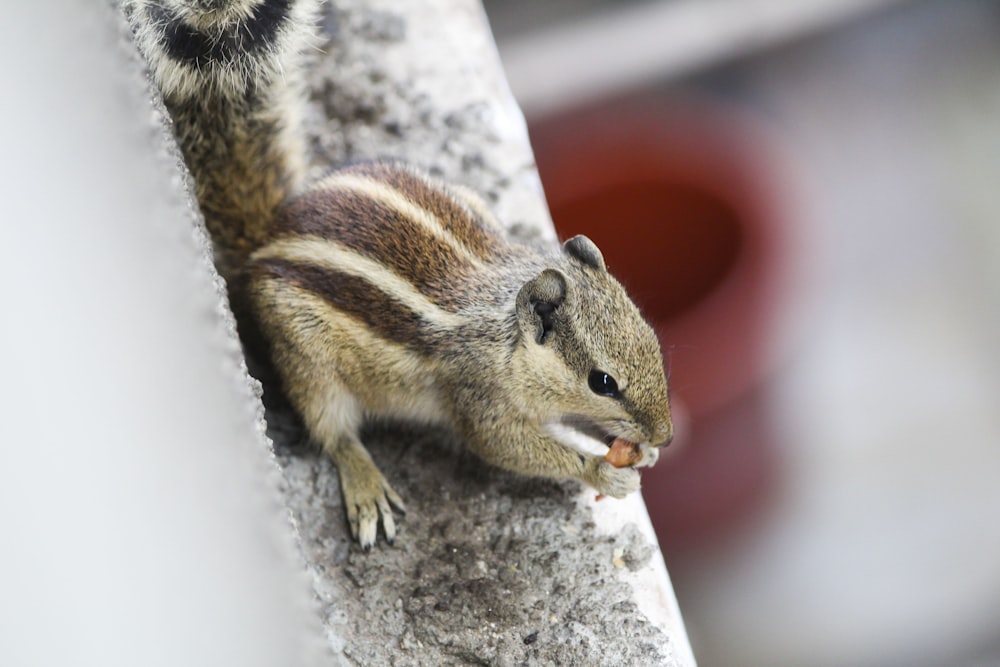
{"x":488,"y":567}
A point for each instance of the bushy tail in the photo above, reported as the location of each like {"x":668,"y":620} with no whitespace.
{"x":229,"y":75}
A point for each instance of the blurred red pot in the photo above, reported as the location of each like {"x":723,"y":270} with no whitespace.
{"x":681,"y":200}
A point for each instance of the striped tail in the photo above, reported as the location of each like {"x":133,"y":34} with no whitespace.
{"x":228,"y":73}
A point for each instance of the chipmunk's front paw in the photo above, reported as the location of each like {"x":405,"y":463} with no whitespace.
{"x":368,"y":499}
{"x":367,"y":496}
{"x":650,"y":455}
{"x":612,"y":481}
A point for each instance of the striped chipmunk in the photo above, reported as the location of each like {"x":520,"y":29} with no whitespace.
{"x":382,"y":293}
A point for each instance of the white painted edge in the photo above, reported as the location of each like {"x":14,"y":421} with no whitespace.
{"x":651,"y":586}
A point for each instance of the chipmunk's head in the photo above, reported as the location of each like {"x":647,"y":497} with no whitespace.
{"x":591,"y":365}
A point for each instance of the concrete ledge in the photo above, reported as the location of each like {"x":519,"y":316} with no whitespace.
{"x":489,"y":567}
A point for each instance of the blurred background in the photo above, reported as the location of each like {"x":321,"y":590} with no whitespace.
{"x":804,"y":198}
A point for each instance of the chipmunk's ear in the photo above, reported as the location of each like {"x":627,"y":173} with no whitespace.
{"x":584,"y":250}
{"x":537,"y":303}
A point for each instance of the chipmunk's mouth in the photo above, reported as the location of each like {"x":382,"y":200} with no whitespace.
{"x":590,"y":439}
{"x":583,"y":436}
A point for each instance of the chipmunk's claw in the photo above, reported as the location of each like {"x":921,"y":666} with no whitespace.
{"x":368,"y":498}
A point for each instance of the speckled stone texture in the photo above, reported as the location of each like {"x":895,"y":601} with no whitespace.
{"x":488,"y":567}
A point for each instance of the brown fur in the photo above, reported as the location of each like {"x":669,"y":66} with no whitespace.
{"x":242,"y":174}
{"x":352,"y":296}
{"x":504,"y":342}
{"x":377,"y":231}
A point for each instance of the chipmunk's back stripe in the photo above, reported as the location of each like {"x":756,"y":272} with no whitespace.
{"x":399,"y":202}
{"x":331,"y":257}
{"x":187,"y":44}
{"x":355,"y":297}
{"x":471,"y":225}
{"x":464,"y":220}
{"x":362,"y":221}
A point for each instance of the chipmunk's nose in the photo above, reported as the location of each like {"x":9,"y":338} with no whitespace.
{"x":663,"y":435}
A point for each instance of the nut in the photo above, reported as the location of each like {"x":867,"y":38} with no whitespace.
{"x":623,"y":453}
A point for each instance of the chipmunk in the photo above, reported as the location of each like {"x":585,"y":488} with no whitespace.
{"x":383,"y":293}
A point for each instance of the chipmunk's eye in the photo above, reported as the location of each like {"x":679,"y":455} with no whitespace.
{"x":603,"y":384}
